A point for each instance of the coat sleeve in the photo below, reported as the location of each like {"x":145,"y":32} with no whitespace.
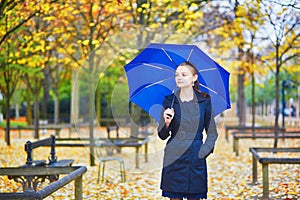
{"x":163,"y":130}
{"x":211,"y":131}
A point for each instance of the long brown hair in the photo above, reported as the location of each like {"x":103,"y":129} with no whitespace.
{"x":194,"y":71}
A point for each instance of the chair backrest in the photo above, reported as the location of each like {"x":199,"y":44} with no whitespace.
{"x":112,"y":128}
{"x":98,"y":149}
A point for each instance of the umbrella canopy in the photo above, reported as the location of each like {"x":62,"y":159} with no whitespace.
{"x":151,"y":76}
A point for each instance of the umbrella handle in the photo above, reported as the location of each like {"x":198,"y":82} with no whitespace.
{"x":172,"y":102}
{"x":169,"y":115}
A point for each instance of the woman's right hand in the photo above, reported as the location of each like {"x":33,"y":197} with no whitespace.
{"x":168,"y":116}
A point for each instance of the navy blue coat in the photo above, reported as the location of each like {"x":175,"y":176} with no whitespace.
{"x":184,"y":164}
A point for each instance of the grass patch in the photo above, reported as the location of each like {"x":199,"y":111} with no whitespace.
{"x":12,"y":123}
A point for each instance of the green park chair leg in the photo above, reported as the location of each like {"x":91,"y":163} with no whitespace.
{"x":122,"y":171}
{"x":99,"y":172}
{"x":103,"y":169}
{"x":137,"y":164}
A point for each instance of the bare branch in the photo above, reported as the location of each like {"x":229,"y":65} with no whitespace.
{"x":290,"y":57}
{"x":6,"y":4}
{"x":21,"y":23}
{"x":16,"y":27}
{"x":285,"y":5}
{"x":290,"y":46}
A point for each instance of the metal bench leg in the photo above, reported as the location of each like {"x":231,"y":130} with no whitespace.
{"x":265,"y":177}
{"x":226,"y":135}
{"x":78,"y":188}
{"x":146,"y":152}
{"x":233,"y":144}
{"x":236,"y":146}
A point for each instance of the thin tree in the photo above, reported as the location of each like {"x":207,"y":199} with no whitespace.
{"x":283,"y":24}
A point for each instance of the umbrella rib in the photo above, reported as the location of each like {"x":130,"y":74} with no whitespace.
{"x":157,"y":67}
{"x":169,"y":56}
{"x":188,"y":58}
{"x":204,"y":70}
{"x":155,"y":83}
{"x":208,"y":88}
{"x":213,"y":92}
{"x":154,"y":66}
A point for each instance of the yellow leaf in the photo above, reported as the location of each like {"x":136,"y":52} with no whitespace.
{"x":94,"y":42}
{"x":146,"y":5}
{"x":85,"y":42}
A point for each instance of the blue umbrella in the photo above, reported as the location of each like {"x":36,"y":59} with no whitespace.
{"x":151,"y":76}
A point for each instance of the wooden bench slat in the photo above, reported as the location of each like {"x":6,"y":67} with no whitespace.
{"x":30,"y":175}
{"x":265,"y":161}
{"x":62,"y":163}
{"x":267,"y":136}
{"x":261,"y":135}
{"x":250,"y":129}
{"x":39,"y":143}
{"x":36,"y":163}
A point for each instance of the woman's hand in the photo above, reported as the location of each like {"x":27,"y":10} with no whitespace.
{"x":168,"y":116}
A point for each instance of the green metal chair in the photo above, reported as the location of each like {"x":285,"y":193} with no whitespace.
{"x":103,"y":159}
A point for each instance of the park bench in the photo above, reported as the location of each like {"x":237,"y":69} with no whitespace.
{"x":250,"y":129}
{"x":55,"y":127}
{"x":34,"y":172}
{"x":122,"y":121}
{"x":265,"y":161}
{"x":74,"y":173}
{"x":237,"y":135}
{"x":30,"y":162}
{"x":136,"y":143}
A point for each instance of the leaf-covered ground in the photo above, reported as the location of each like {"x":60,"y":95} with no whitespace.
{"x":230,"y":176}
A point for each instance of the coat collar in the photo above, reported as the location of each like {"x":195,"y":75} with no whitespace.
{"x":200,"y":97}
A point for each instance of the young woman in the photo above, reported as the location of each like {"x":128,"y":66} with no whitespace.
{"x":186,"y":114}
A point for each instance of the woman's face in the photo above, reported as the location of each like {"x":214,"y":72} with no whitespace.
{"x":184,"y":77}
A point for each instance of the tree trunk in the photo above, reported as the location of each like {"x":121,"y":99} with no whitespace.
{"x":253,"y":100}
{"x":36,"y":112}
{"x":241,"y":101}
{"x":91,"y":122}
{"x":74,"y":99}
{"x":17,"y":114}
{"x":44,"y":109}
{"x":7,"y":117}
{"x":277,"y":96}
{"x":98,"y":104}
{"x":29,"y":108}
{"x":135,"y":113}
{"x":46,"y":96}
{"x":91,"y":106}
{"x":56,"y":108}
